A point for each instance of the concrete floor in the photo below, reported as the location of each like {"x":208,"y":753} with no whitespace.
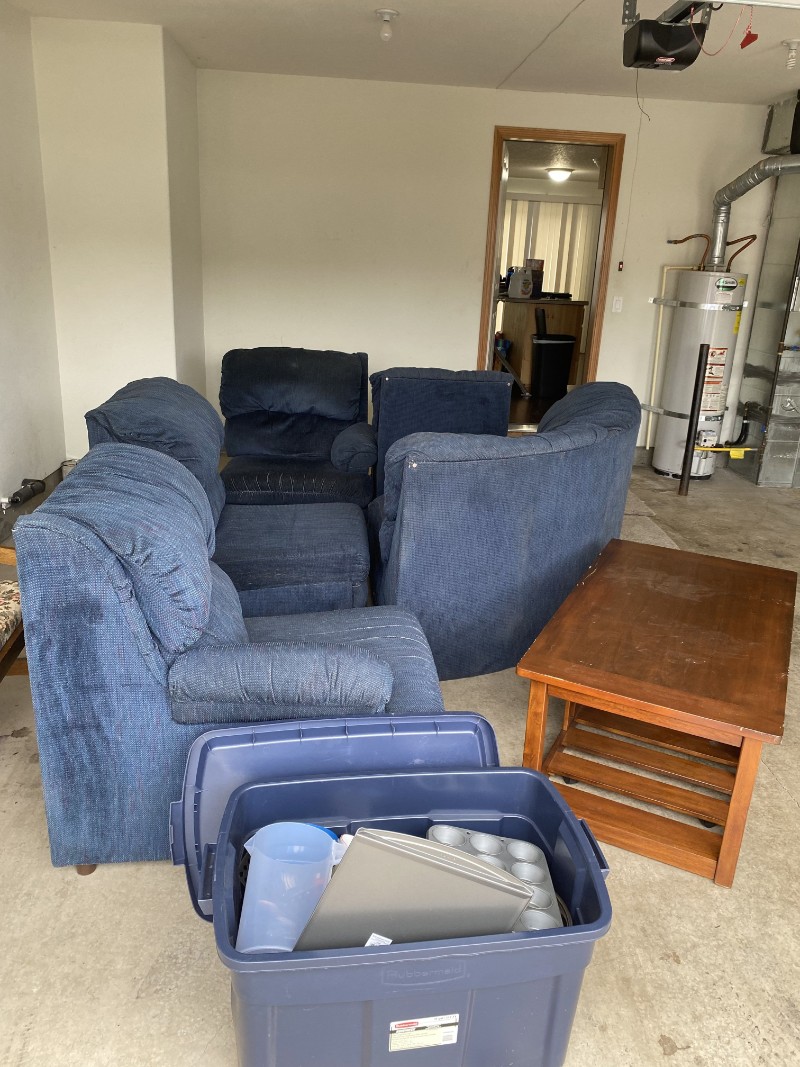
{"x":117,"y":969}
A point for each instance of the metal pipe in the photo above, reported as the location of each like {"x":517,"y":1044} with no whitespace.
{"x":30,"y":488}
{"x":694,"y":420}
{"x":771,"y":167}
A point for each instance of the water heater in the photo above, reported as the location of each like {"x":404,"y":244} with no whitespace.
{"x":708,"y":310}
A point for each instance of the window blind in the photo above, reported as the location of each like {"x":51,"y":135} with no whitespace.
{"x":563,"y":235}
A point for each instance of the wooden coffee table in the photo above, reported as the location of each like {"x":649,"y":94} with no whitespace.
{"x":673,"y":664}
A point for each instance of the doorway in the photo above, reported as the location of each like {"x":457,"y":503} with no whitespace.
{"x":532,"y":217}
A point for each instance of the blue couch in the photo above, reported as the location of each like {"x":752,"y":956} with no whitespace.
{"x":296,"y":426}
{"x":483,"y":537}
{"x":305,"y":557}
{"x":137,"y":644}
{"x":409,"y":400}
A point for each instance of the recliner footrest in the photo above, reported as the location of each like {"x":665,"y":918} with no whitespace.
{"x":295,"y":558}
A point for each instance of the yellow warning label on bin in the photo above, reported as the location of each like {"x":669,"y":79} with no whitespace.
{"x":423,"y":1033}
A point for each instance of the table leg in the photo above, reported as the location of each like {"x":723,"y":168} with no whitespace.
{"x":533,"y":752}
{"x":746,"y":771}
{"x":570,"y":710}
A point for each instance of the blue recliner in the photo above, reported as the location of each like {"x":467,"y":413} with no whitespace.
{"x":409,"y":400}
{"x":296,"y":426}
{"x":307,"y":557}
{"x":483,"y":537}
{"x":136,"y":645}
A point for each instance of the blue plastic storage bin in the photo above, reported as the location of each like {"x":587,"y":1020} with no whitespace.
{"x":507,"y":999}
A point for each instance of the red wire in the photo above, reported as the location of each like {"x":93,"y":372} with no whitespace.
{"x":728,"y":41}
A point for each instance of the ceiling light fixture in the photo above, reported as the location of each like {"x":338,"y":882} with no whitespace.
{"x":558,"y":174}
{"x":386,"y":14}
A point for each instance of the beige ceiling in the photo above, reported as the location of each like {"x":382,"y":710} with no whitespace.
{"x":530,"y":159}
{"x":564,"y":46}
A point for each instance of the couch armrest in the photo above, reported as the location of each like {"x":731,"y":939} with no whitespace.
{"x":354,"y":450}
{"x":280,"y":680}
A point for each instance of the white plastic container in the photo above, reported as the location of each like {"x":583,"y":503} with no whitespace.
{"x":520,"y":286}
{"x":290,"y":866}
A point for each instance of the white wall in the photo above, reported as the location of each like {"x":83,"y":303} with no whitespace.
{"x":341,"y":214}
{"x":100,"y":89}
{"x":353,"y":215}
{"x":31,"y":429}
{"x":180,"y":85}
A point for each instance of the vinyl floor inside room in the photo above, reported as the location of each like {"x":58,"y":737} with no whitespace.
{"x":116,"y":968}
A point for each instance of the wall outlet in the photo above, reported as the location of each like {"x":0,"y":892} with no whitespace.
{"x":616,"y":304}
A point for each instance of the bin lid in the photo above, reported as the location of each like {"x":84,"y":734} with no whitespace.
{"x":221,"y":761}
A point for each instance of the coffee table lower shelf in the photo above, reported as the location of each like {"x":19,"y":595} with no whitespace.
{"x":695,"y":779}
{"x":656,"y":836}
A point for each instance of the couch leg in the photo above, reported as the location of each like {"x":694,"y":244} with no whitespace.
{"x":85,"y":868}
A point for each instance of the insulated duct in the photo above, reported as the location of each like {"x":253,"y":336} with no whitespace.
{"x":771,"y":167}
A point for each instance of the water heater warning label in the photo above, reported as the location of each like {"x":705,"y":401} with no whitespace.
{"x":422,"y":1033}
{"x":714,"y":392}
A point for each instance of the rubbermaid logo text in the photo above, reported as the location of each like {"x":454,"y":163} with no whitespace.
{"x":414,"y":974}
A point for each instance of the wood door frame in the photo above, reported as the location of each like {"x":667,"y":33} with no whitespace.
{"x":615,"y":143}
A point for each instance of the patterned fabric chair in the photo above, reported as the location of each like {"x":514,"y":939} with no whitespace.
{"x":137,"y":644}
{"x":296,"y":426}
{"x":12,"y":636}
{"x":483,"y":537}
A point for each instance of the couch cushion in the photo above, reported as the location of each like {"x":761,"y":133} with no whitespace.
{"x":154,"y":516}
{"x":390,"y":634}
{"x":295,"y":381}
{"x":162,"y":414}
{"x":277,"y":435}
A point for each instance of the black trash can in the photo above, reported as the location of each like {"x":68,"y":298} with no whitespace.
{"x":552,"y":359}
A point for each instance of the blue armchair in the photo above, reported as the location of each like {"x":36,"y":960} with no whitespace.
{"x":296,"y":426}
{"x":409,"y":400}
{"x":136,"y":645}
{"x":306,"y":557}
{"x":483,"y":537}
